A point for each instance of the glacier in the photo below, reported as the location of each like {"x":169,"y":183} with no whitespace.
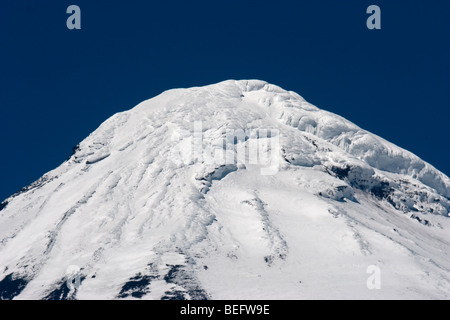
{"x":138,"y":214}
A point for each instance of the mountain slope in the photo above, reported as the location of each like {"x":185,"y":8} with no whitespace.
{"x":235,"y":190}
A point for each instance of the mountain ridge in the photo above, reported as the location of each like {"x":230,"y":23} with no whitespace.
{"x":165,"y":201}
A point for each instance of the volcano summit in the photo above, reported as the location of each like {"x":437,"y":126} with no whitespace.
{"x":238,"y":190}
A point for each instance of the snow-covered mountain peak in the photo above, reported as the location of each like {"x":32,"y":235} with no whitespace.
{"x":234,"y":190}
{"x":246,"y":104}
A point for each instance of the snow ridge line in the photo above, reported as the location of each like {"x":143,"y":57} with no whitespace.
{"x":278,"y":246}
{"x":54,"y":233}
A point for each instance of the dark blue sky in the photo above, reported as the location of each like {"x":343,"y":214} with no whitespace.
{"x":58,"y":85}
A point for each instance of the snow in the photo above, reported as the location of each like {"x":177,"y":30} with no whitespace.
{"x":151,"y":207}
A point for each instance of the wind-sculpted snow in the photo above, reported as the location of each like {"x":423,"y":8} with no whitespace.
{"x":373,"y":150}
{"x":238,"y":190}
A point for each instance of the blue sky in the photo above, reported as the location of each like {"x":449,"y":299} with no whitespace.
{"x":58,"y":85}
